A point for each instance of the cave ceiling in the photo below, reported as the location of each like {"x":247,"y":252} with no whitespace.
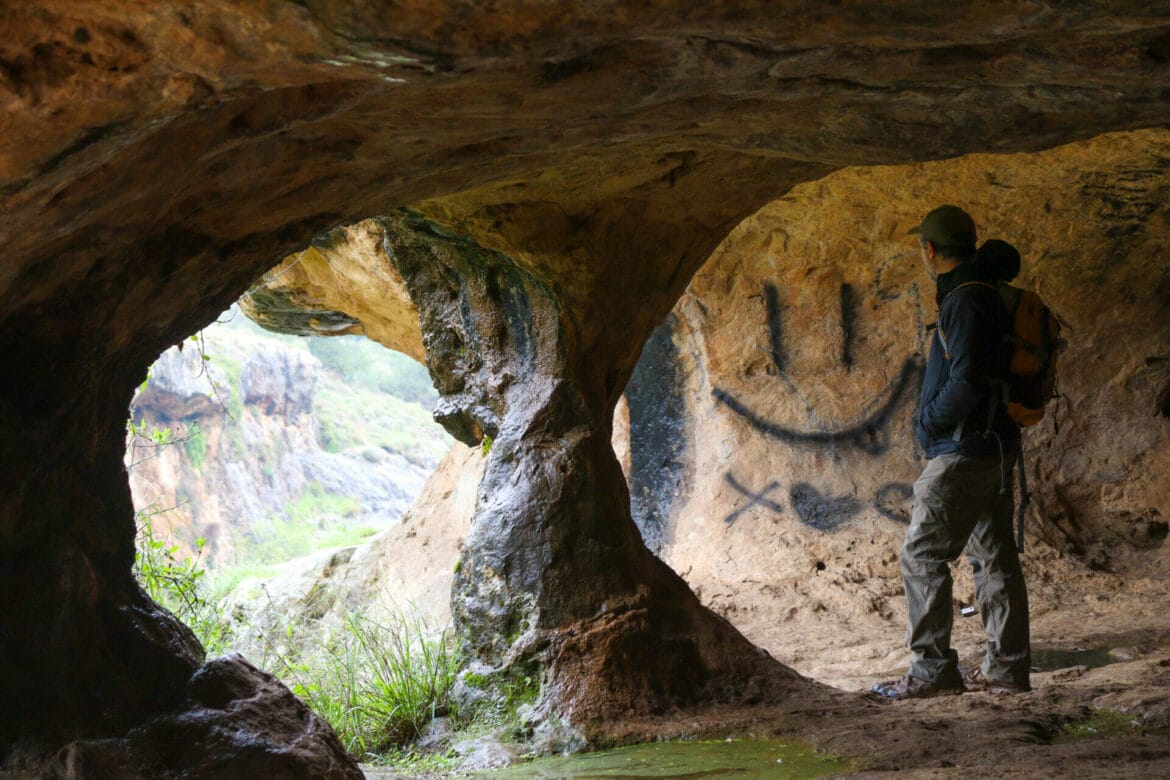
{"x":156,"y":157}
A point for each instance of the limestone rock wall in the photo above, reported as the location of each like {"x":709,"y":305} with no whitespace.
{"x":234,"y":466}
{"x":158,"y":157}
{"x":344,"y":282}
{"x":800,"y":343}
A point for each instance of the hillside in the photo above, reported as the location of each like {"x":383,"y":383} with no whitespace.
{"x":267,"y":447}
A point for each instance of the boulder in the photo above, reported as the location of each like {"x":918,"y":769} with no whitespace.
{"x":237,"y":721}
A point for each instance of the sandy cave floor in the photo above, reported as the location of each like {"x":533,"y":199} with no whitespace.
{"x":1080,"y":719}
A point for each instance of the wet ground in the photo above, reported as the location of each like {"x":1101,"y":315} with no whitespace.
{"x":722,"y":758}
{"x":1099,"y":708}
{"x":1050,"y":659}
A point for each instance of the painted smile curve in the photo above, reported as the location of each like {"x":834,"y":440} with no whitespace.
{"x":863,"y":435}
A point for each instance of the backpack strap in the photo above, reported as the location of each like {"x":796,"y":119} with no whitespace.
{"x":942,"y":337}
{"x":941,"y":334}
{"x":1025,"y":499}
{"x":968,"y":284}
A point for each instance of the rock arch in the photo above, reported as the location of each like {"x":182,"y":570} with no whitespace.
{"x":157,"y":162}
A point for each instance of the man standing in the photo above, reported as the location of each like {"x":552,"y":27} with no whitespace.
{"x":964,"y":496}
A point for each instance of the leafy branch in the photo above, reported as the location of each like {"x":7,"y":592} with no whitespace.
{"x":175,"y":581}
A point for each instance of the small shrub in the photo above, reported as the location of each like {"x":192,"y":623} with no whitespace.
{"x":195,"y":445}
{"x":332,"y":440}
{"x":377,"y":683}
{"x":175,"y":582}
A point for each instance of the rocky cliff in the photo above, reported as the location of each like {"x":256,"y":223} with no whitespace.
{"x":592,"y":156}
{"x":240,"y":468}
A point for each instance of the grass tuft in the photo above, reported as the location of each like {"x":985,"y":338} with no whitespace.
{"x":378,"y":683}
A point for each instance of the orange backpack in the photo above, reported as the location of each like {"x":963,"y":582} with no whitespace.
{"x":1030,"y":380}
{"x":1035,"y":336}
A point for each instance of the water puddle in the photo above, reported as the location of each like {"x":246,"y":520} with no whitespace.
{"x":735,"y":758}
{"x":1049,"y":659}
{"x":1105,"y":724}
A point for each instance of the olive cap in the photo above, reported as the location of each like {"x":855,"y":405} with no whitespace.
{"x":947,"y":225}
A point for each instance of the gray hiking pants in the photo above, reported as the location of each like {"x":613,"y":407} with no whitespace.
{"x":958,"y":503}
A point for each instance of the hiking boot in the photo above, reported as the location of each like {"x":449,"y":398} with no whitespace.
{"x":911,"y":687}
{"x":976,"y":680}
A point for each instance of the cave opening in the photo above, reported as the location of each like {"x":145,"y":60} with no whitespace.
{"x":574,"y":169}
{"x":204,"y":412}
{"x":277,"y":458}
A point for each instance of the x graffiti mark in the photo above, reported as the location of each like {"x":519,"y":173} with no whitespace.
{"x":760,"y":498}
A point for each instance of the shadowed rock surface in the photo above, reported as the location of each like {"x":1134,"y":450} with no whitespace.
{"x":796,"y":497}
{"x":554,"y":575}
{"x":156,"y":160}
{"x":238,"y":721}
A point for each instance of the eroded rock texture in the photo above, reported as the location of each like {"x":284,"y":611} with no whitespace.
{"x":155,"y":160}
{"x":803,"y":335}
{"x":555,"y":577}
{"x":344,"y":282}
{"x":238,"y":722}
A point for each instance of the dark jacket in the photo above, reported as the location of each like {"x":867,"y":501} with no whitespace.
{"x":960,"y":385}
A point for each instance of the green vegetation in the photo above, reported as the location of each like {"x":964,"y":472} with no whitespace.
{"x":276,"y":540}
{"x":1102,"y":723}
{"x":176,"y":582}
{"x":740,"y":758}
{"x":195,"y":444}
{"x":156,"y":435}
{"x":314,"y":503}
{"x":371,"y":366}
{"x":356,"y":417}
{"x":222,"y":580}
{"x":367,"y":394}
{"x":499,"y":700}
{"x":377,"y":683}
{"x":410,"y":763}
{"x":303,"y":528}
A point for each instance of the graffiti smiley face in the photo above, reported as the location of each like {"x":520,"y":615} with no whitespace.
{"x":824,"y":391}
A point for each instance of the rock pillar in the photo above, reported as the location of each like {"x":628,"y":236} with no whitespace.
{"x":555,"y":581}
